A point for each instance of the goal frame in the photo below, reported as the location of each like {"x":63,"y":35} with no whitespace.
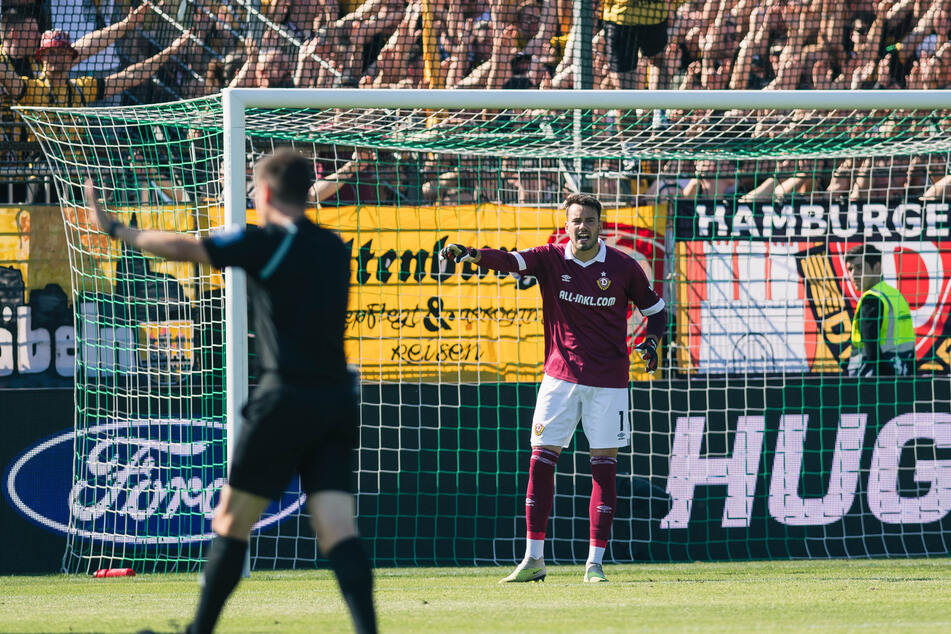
{"x":236,"y":101}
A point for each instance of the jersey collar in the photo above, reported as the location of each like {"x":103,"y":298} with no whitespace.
{"x":600,"y":257}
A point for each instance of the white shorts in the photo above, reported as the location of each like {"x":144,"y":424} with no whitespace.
{"x":603,"y":411}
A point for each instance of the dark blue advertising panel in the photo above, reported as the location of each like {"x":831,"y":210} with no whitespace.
{"x":737,"y":468}
{"x":32,"y":421}
{"x":148,"y":486}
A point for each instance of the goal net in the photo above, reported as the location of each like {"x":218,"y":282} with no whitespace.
{"x":752,"y":441}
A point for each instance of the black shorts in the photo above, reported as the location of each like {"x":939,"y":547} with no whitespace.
{"x":624,"y":41}
{"x":310,"y":431}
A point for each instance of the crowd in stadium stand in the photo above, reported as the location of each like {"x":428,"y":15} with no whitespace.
{"x":121,"y":52}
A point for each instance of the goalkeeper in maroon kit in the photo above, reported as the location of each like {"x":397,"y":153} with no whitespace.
{"x":586,"y":287}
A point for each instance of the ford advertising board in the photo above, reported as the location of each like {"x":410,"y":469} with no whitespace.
{"x":143,"y":482}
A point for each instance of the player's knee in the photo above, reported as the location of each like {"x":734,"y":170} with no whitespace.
{"x":225,"y":524}
{"x":331,"y":531}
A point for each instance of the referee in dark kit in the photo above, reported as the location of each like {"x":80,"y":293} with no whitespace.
{"x":303,"y":417}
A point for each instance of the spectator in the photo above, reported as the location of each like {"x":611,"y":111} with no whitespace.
{"x":21,"y":40}
{"x":55,"y":88}
{"x":881,"y":179}
{"x":279,"y":12}
{"x":222,"y":36}
{"x":19,"y":57}
{"x":220,"y":72}
{"x":536,"y":22}
{"x":399,"y":64}
{"x":469,"y":47}
{"x":504,"y":50}
{"x":563,"y":74}
{"x":670,"y":181}
{"x":320,"y":63}
{"x":319,"y":14}
{"x":20,"y":37}
{"x":790,"y":179}
{"x":635,"y":29}
{"x":519,"y":78}
{"x":714,"y":179}
{"x":529,"y":182}
{"x":327,"y":186}
{"x":267,"y":68}
{"x":364,"y":31}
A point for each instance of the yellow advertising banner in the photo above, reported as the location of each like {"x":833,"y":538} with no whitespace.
{"x":32,"y":242}
{"x":411,"y":317}
{"x":414,"y":318}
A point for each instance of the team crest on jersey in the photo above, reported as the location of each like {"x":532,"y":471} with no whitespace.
{"x":539,"y":428}
{"x":604,"y":282}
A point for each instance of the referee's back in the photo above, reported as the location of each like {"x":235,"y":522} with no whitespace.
{"x":298,"y":284}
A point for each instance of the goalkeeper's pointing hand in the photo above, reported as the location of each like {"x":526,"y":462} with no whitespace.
{"x":648,"y":352}
{"x":459,"y":253}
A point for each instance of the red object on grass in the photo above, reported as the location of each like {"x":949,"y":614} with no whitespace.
{"x":114,"y":572}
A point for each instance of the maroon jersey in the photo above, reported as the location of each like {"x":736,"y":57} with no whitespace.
{"x":584,"y":307}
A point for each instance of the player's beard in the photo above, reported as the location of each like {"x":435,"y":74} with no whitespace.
{"x":591,"y":242}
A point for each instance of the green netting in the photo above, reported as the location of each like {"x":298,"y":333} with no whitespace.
{"x":751,"y":442}
{"x":732,"y":134}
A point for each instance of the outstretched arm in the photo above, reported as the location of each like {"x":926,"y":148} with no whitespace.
{"x":166,"y":244}
{"x":520,"y":262}
{"x":327,"y":187}
{"x":91,"y":43}
{"x":10,"y":82}
{"x":138,"y":73}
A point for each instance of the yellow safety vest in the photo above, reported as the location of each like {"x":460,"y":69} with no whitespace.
{"x":896,"y":338}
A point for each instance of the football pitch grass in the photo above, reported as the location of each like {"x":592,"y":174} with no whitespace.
{"x":909,"y":595}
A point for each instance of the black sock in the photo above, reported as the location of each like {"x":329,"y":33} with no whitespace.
{"x":221,"y":574}
{"x":355,"y":576}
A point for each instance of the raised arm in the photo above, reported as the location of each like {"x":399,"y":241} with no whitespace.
{"x":503,"y":50}
{"x":327,"y":187}
{"x":926,"y":24}
{"x":245,"y":74}
{"x":137,"y":73}
{"x":173,"y":246}
{"x":394,"y":56}
{"x":753,"y":44}
{"x":305,"y":73}
{"x":91,"y":43}
{"x":10,"y":81}
{"x":791,"y":59}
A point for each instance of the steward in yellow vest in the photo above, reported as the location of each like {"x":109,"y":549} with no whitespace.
{"x":883,"y":335}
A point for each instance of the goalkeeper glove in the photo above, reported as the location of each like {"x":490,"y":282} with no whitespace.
{"x":648,"y":352}
{"x":458,"y":253}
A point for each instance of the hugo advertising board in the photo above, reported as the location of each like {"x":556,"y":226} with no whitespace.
{"x":799,"y":467}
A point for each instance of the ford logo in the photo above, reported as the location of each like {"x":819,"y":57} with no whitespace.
{"x":142,"y":482}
